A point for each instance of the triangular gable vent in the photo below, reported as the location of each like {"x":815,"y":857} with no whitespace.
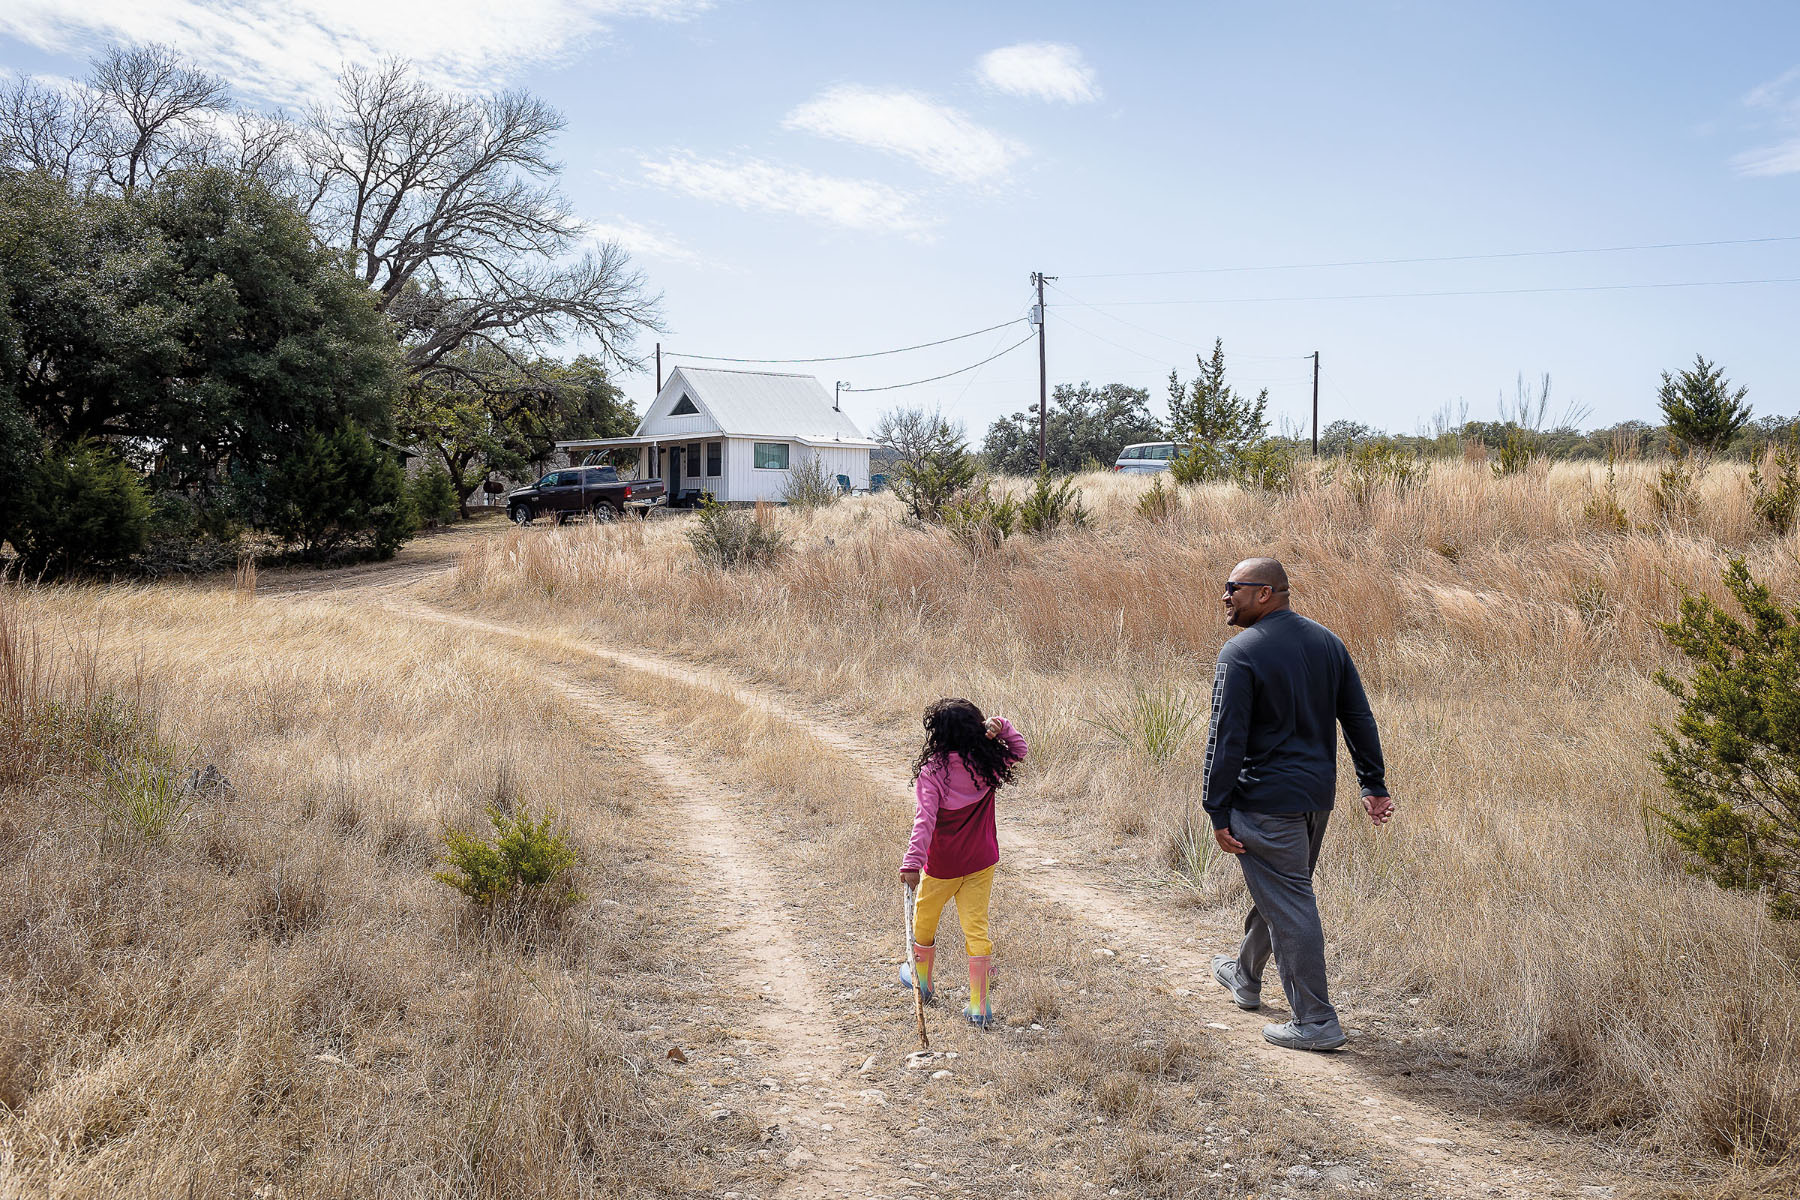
{"x":683,"y":407}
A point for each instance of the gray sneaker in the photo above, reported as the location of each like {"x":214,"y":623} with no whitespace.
{"x":1225,"y":970}
{"x":1326,"y":1035}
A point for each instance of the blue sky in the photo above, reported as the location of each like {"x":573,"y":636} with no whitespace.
{"x":808,"y":179}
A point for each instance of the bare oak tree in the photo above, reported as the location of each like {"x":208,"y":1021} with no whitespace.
{"x":160,"y":113}
{"x":448,"y":210}
{"x":50,"y":129}
{"x":142,"y":112}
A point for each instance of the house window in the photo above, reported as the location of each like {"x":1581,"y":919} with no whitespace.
{"x":770,"y":456}
{"x":714,"y":455}
{"x":693,"y":458}
{"x":684,"y":407}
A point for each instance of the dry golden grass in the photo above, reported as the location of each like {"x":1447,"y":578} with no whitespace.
{"x":1524,"y":899}
{"x":272,"y":997}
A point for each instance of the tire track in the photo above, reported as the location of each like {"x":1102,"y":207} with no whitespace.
{"x":831,"y":1143}
{"x":1458,"y":1155}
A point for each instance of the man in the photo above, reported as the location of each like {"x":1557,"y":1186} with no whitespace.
{"x":1281,"y":688}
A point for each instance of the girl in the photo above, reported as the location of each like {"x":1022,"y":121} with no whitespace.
{"x":965,"y":760}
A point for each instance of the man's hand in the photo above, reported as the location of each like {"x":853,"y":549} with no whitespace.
{"x":1379,"y":808}
{"x":1227,"y":843}
{"x":910,"y":879}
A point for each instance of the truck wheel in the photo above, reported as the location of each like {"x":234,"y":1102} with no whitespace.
{"x":519,"y":514}
{"x":603,"y":513}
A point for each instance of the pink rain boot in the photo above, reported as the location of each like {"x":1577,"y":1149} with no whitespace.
{"x":980,"y":1010}
{"x":922,"y":956}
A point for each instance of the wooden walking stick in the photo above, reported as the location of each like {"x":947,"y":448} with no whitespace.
{"x":918,"y":990}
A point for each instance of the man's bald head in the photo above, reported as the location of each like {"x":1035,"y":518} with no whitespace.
{"x":1262,"y":570}
{"x":1257,"y":586}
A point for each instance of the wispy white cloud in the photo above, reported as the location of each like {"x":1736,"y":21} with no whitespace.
{"x":292,"y":50}
{"x":641,"y":241}
{"x":1776,"y":93}
{"x":1779,"y":97}
{"x":1780,"y":159}
{"x":1040,"y":71}
{"x":751,"y":184}
{"x":935,"y":136}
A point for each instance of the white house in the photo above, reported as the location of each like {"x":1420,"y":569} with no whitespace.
{"x":737,"y":434}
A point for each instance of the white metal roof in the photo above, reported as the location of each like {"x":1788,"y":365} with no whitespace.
{"x":675,"y":439}
{"x":756,"y":404}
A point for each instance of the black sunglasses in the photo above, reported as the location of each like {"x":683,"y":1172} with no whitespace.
{"x":1232,"y":585}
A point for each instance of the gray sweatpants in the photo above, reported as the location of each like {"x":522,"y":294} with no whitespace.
{"x":1280,"y":852}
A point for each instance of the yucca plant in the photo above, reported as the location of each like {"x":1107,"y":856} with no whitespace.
{"x":142,"y":795}
{"x":1192,"y":848}
{"x":1153,"y":722}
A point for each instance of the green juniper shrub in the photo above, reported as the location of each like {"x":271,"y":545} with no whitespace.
{"x":341,"y":495}
{"x":927,"y":482}
{"x":1731,"y":761}
{"x":1373,"y":465}
{"x":1160,"y":504}
{"x":433,"y":498}
{"x":979,"y":518}
{"x":82,"y":509}
{"x":1216,"y":421}
{"x":1701,"y":408}
{"x":1515,"y":454}
{"x":528,"y":863}
{"x":1673,"y":492}
{"x":1775,"y":485}
{"x":1202,"y":462}
{"x":734,"y":537}
{"x":1051,"y":505}
{"x":1267,"y":466}
{"x":1603,"y":510}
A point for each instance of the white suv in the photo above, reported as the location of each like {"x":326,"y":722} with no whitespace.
{"x":1143,"y":458}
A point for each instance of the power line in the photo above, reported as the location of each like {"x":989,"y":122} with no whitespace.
{"x":946,"y":375}
{"x":1443,"y":258}
{"x":1185,"y":345}
{"x":1164,"y":362}
{"x":1115,"y":345}
{"x":849,"y":357}
{"x":970,"y":381}
{"x":1531,"y":291}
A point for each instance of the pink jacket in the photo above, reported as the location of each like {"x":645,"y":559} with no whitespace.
{"x":947,"y":786}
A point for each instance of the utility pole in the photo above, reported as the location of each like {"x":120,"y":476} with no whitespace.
{"x":1037,"y":277}
{"x":659,"y":368}
{"x":1315,"y":404}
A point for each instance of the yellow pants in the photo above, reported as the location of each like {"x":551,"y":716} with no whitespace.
{"x":971,"y":893}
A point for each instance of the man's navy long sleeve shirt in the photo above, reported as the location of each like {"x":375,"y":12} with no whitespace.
{"x":1280,"y":688}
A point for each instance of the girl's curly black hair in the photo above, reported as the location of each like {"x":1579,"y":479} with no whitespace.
{"x":955,"y":726}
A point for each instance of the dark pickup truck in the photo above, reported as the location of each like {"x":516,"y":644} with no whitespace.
{"x":595,"y":492}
